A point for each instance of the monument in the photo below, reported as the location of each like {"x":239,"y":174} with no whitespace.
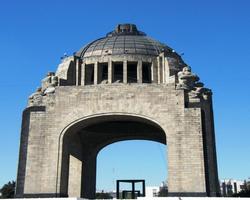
{"x":119,"y":87}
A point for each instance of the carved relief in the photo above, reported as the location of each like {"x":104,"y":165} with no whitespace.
{"x":49,"y":82}
{"x":36,"y":97}
{"x":48,"y":86}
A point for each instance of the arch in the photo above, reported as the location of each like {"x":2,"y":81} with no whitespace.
{"x":89,"y":135}
{"x":109,"y":114}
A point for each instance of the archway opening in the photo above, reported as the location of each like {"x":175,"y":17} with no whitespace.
{"x":84,"y":140}
{"x":131,"y":159}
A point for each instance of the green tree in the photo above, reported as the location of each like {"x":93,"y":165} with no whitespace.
{"x":163,"y":191}
{"x":242,"y":193}
{"x":8,"y":190}
{"x":103,"y":195}
{"x":245,"y":192}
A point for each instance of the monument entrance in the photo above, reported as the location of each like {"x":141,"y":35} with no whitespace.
{"x":122,"y":86}
{"x":82,"y":141}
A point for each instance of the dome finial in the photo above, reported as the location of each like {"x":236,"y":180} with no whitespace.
{"x":126,"y":29}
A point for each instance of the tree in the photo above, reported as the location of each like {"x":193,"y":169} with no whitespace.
{"x":245,"y":192}
{"x":8,"y":190}
{"x":163,"y":191}
{"x":103,"y":195}
{"x":242,"y":193}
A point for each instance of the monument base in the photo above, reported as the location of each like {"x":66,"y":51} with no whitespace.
{"x":141,"y":198}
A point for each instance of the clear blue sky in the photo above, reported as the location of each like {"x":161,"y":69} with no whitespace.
{"x":213,"y":35}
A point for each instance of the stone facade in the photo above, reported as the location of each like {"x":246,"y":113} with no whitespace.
{"x":98,"y":97}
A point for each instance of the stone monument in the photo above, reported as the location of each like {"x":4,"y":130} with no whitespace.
{"x":119,"y":87}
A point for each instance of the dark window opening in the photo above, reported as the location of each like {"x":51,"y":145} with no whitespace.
{"x":89,"y":74}
{"x":146,"y":72}
{"x":118,"y":72}
{"x":132,"y":72}
{"x":103,"y":73}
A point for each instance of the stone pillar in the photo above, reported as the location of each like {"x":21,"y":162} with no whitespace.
{"x":78,"y":72}
{"x":210,"y":160}
{"x":139,"y":71}
{"x":31,"y":160}
{"x":96,"y":73}
{"x":125,"y":71}
{"x":63,"y":186}
{"x":110,"y":71}
{"x":154,"y":73}
{"x":77,"y":69}
{"x":23,"y":154}
{"x":159,"y":71}
{"x":163,"y":68}
{"x":75,"y":167}
{"x":89,"y":176}
{"x":167,"y":69}
{"x":186,"y":173}
{"x":83,"y":74}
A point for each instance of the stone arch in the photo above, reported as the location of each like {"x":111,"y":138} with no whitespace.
{"x":88,"y":136}
{"x":174,"y":98}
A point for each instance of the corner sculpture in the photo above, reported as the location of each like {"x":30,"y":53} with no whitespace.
{"x":125,"y":79}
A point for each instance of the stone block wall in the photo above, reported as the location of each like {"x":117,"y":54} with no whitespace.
{"x":161,"y":104}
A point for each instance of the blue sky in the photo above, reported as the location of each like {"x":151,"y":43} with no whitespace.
{"x":213,"y":35}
